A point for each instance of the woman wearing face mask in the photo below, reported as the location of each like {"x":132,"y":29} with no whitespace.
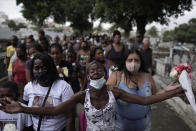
{"x":115,"y":52}
{"x":44,"y":76}
{"x":99,"y":102}
{"x":33,"y":50}
{"x":97,"y":54}
{"x":19,"y":68}
{"x":133,"y":80}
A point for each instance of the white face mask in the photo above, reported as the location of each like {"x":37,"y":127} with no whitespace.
{"x":98,"y":84}
{"x":32,"y":57}
{"x":133,"y":67}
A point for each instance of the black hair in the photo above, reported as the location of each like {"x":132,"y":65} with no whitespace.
{"x":141,"y":69}
{"x":14,"y":40}
{"x":31,"y":38}
{"x":8,"y":43}
{"x":48,"y":63}
{"x":116,"y":32}
{"x":73,"y":53}
{"x":22,"y":47}
{"x":57,"y":38}
{"x":44,"y":41}
{"x":87,"y":44}
{"x":41,"y":32}
{"x":37,"y":47}
{"x":93,"y":52}
{"x":56,"y":45}
{"x":12,"y":85}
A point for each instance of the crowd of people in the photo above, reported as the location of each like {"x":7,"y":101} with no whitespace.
{"x":46,"y":80}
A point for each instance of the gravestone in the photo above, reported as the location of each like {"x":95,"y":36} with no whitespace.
{"x":184,"y":59}
{"x":176,"y":59}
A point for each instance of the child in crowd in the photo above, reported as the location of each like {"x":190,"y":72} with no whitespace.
{"x":10,"y":89}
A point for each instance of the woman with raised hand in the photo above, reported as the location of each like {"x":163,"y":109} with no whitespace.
{"x":99,"y":102}
{"x":45,"y":80}
{"x":133,"y":79}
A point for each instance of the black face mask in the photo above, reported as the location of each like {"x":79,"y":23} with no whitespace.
{"x":101,"y":61}
{"x":84,"y":48}
{"x":21,"y":57}
{"x":42,"y":77}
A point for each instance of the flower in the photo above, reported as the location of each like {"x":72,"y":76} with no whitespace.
{"x":174,"y":74}
{"x":114,"y":68}
{"x":10,"y":127}
{"x":191,"y":76}
{"x":176,"y":71}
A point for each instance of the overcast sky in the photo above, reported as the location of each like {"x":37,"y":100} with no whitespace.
{"x":13,"y":11}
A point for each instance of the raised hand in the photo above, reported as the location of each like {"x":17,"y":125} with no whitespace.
{"x":179,"y":90}
{"x":11,"y":106}
{"x":171,"y":87}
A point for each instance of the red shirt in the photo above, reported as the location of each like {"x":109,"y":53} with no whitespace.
{"x":19,"y":75}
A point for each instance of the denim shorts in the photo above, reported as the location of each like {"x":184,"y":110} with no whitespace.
{"x":143,"y":124}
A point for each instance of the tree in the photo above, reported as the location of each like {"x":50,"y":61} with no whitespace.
{"x":76,"y":11}
{"x":168,"y":36}
{"x":98,"y":29}
{"x":153,"y":31}
{"x":36,"y":11}
{"x":182,"y":33}
{"x":186,"y":32}
{"x":115,"y":12}
{"x":129,"y":13}
{"x":12,"y":24}
{"x":21,"y":25}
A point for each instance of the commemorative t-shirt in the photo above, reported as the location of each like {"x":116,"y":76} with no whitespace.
{"x":60,"y":91}
{"x":20,"y":120}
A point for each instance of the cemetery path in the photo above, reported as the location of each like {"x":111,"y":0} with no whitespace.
{"x":163,"y":118}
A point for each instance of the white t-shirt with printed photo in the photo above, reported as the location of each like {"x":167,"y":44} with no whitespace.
{"x":20,"y":120}
{"x":60,"y":92}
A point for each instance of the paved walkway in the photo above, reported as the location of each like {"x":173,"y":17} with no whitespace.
{"x":163,"y":118}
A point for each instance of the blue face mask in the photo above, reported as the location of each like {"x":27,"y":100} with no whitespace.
{"x":98,"y":84}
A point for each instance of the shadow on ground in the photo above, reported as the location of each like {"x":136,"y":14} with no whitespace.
{"x":165,"y":119}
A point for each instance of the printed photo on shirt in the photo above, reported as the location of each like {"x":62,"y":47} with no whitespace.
{"x":4,"y":122}
{"x":38,"y":100}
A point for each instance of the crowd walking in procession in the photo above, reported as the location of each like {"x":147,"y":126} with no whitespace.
{"x":48,"y":78}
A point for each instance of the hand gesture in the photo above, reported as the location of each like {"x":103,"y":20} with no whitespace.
{"x":10,"y":106}
{"x":171,"y":87}
{"x":179,"y":90}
